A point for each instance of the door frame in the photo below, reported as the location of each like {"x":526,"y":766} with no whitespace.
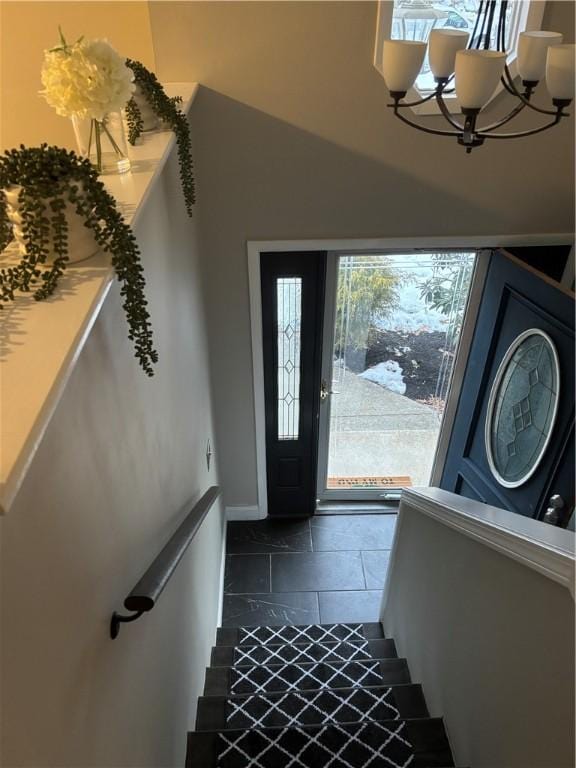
{"x":254,"y":249}
{"x":481,"y":263}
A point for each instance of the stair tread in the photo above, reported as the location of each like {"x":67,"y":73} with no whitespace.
{"x":311,"y":707}
{"x":299,"y":633}
{"x":423,"y":742}
{"x":304,"y":676}
{"x":250,"y":655}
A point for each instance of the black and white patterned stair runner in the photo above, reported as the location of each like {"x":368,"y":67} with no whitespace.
{"x":313,"y":696}
{"x":259,"y":679}
{"x":311,"y":633}
{"x":357,"y":650}
{"x":311,"y":708}
{"x":339,"y":746}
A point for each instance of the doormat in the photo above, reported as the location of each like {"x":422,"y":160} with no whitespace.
{"x":391,"y":481}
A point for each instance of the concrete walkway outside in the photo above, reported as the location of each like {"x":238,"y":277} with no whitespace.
{"x":376,"y":432}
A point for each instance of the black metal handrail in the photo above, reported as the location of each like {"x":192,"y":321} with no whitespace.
{"x":146,"y":593}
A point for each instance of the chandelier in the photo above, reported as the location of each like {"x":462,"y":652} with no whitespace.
{"x":468,"y":67}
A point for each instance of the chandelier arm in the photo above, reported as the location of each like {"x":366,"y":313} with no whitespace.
{"x":473,"y":35}
{"x":520,"y":134}
{"x":488,"y":37}
{"x":446,"y":113}
{"x":523,"y":98}
{"x":415,"y":103}
{"x":507,"y":87}
{"x":504,"y":120}
{"x":441,"y":87}
{"x":435,"y":131}
{"x":501,"y":35}
{"x":481,"y":35}
{"x":507,"y":80}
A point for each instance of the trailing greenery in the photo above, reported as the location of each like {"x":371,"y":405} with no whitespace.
{"x":166,"y":109}
{"x":366,"y":293}
{"x":51,"y":178}
{"x":134,"y":121}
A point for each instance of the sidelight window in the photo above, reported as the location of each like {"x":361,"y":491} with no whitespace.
{"x":289,"y":319}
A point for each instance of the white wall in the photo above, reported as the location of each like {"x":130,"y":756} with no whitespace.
{"x":120,"y":461}
{"x":295,"y":142}
{"x":491,"y":642}
{"x":27,"y":28}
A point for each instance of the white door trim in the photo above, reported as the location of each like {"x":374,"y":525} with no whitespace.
{"x":327,"y":375}
{"x":254,"y":286}
{"x":360,"y":245}
{"x":460,"y":362}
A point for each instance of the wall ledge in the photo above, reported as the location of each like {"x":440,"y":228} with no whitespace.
{"x":537,"y":545}
{"x":40,"y":342}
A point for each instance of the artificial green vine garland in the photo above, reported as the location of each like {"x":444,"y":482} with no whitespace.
{"x":166,"y":109}
{"x":51,"y":177}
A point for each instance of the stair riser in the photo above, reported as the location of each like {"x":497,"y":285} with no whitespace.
{"x":224,"y":656}
{"x":310,"y":708}
{"x":223,"y":681}
{"x":388,"y":743}
{"x":298,"y":634}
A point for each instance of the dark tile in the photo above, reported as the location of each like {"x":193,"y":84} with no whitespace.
{"x":268,"y":536}
{"x":349,"y":606}
{"x":247,"y":573}
{"x":309,"y":571}
{"x":352,"y":532}
{"x":270,"y":610}
{"x":375,"y":567}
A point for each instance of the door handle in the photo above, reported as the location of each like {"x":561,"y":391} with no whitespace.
{"x":553,"y":514}
{"x":325,"y":392}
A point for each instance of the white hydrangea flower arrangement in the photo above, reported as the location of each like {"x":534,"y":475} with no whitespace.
{"x":88,"y":81}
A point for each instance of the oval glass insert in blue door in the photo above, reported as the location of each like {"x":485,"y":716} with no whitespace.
{"x":522,"y":408}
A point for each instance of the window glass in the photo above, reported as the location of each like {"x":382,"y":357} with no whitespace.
{"x":415,"y":19}
{"x":289,"y":316}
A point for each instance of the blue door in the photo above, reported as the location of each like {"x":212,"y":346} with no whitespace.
{"x":512,"y":443}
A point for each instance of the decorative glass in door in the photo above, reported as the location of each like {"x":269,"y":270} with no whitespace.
{"x":289,"y":316}
{"x":522,"y":408}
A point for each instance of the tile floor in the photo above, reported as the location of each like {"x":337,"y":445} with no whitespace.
{"x":326,"y":569}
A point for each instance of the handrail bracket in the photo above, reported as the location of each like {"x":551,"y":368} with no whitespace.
{"x":120,"y":618}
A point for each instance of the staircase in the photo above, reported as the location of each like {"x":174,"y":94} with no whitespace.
{"x":319,"y":695}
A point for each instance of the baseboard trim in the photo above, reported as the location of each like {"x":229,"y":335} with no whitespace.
{"x":244,"y":513}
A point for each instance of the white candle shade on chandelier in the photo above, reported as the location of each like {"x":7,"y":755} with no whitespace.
{"x":560,"y":72}
{"x":532,"y":53}
{"x":474,"y":71}
{"x":444,"y":44}
{"x":402,"y":60}
{"x":476,"y":76}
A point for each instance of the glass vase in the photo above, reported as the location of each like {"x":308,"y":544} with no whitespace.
{"x":103,"y":142}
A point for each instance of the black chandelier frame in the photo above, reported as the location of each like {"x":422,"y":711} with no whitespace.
{"x":468,"y":134}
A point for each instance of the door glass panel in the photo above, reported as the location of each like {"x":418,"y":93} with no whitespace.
{"x":289,"y":317}
{"x":522,"y":408}
{"x":398,"y":320}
